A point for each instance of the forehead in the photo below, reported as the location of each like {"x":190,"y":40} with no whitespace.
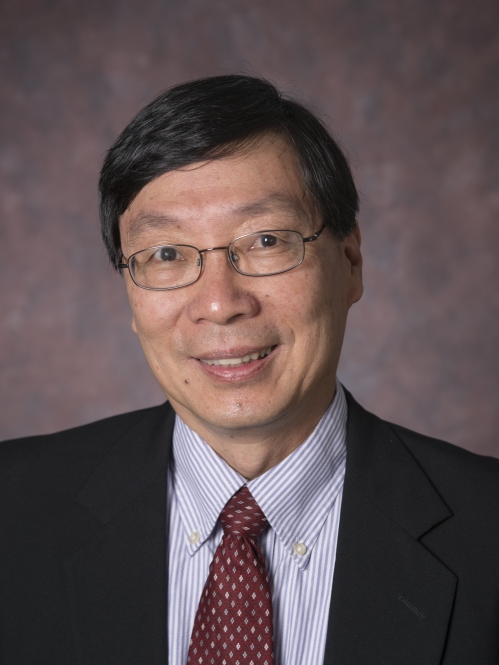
{"x":233,"y":193}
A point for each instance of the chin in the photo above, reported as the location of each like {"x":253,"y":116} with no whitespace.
{"x":236,"y":418}
{"x":235,"y":415}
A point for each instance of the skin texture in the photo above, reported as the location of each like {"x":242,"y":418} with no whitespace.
{"x":254,"y":415}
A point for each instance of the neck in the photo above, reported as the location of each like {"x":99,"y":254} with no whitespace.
{"x":253,"y":451}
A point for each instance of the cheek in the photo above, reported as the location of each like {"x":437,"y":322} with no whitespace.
{"x":154,"y":315}
{"x":318,"y":310}
{"x":312,"y":299}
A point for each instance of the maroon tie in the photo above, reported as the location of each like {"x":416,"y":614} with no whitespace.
{"x":233,"y":624}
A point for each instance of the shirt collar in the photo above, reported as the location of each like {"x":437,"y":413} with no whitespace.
{"x":296,"y":495}
{"x":203,"y":483}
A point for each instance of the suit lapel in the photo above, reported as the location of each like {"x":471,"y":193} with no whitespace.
{"x":392,"y":599}
{"x":118,"y":583}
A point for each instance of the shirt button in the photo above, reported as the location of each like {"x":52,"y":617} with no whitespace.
{"x":194,"y":537}
{"x":300,"y":549}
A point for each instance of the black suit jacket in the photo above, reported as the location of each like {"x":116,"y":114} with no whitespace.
{"x":83,"y":569}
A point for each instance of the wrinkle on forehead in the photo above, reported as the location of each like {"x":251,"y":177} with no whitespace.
{"x":145,"y":222}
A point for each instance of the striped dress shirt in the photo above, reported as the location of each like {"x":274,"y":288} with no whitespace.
{"x":301,"y":498}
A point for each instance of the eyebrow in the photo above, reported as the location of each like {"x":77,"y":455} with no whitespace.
{"x":269,"y":204}
{"x":150,"y":221}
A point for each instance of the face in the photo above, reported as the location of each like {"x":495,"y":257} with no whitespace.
{"x":295,"y":320}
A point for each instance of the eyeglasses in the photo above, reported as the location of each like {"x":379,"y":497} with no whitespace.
{"x":259,"y":254}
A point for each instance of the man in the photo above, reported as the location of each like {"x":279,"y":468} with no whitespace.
{"x":261,"y":515}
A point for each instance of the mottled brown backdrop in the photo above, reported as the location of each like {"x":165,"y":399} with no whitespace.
{"x":412,"y":88}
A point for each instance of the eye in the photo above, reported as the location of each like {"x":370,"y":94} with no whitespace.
{"x":166,"y":253}
{"x":266,"y":240}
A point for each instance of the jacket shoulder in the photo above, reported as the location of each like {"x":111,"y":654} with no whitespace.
{"x":466,"y":476}
{"x":464,"y":480}
{"x":68,"y":455}
{"x":114,"y":425}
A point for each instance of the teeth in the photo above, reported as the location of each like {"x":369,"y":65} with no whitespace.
{"x":226,"y":362}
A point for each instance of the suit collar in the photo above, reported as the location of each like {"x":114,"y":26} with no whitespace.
{"x":382,"y":468}
{"x":117,"y":582}
{"x":130,"y":464}
{"x":391,"y":599}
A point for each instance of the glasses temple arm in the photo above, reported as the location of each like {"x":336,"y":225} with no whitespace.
{"x":316,"y":234}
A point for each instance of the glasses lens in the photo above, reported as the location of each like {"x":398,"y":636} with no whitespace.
{"x":267,"y":252}
{"x":165,"y":267}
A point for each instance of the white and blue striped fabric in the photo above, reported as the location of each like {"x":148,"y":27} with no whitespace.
{"x":301,"y":498}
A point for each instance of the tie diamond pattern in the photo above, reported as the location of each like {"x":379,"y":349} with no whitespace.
{"x":233,"y":624}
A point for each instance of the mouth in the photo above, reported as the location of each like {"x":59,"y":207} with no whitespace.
{"x":236,"y":362}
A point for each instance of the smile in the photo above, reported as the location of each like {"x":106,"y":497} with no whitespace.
{"x":233,"y":362}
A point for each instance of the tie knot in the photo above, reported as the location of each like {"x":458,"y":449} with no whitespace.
{"x":242,"y":516}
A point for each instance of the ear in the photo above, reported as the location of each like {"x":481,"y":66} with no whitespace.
{"x":134,"y":325}
{"x":351,"y":248}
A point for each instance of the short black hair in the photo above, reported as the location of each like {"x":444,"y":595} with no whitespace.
{"x":214,"y":117}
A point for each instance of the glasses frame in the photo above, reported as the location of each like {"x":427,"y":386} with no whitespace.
{"x":312,"y":238}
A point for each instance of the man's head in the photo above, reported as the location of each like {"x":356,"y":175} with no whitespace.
{"x":203,"y":164}
{"x":216,"y":117}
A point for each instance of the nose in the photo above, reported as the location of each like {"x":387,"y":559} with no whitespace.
{"x":221,"y":295}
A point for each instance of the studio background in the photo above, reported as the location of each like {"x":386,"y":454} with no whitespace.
{"x":411,"y":88}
